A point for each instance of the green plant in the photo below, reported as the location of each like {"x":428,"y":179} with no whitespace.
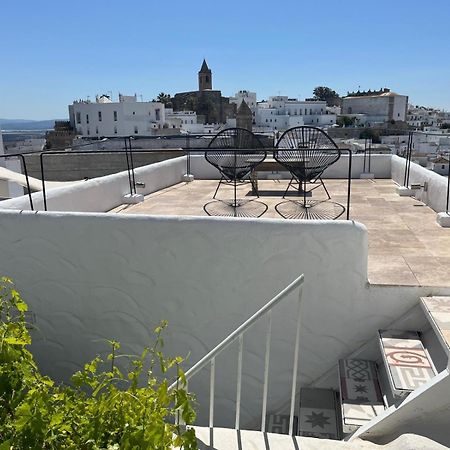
{"x":106,"y":407}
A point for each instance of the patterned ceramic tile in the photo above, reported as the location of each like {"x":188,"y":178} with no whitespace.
{"x":318,"y":413}
{"x":408,"y":363}
{"x":359,"y":381}
{"x":318,"y":423}
{"x":279,"y":423}
{"x":360,"y":392}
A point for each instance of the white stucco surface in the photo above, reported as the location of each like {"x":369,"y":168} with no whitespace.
{"x":227,"y":439}
{"x":89,"y":277}
{"x":104,"y":193}
{"x":435,"y":195}
{"x":426,"y":411}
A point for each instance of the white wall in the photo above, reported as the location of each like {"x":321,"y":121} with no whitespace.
{"x":380,"y":167}
{"x":104,"y":193}
{"x":143,"y":115}
{"x":89,"y":277}
{"x":435,"y":196}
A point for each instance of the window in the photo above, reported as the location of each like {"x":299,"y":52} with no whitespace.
{"x":115,"y":130}
{"x":134,"y":113}
{"x":115,"y":116}
{"x":87,"y":118}
{"x":99,"y":116}
{"x":78,"y":117}
{"x":96,"y":130}
{"x":88,"y":131}
{"x":443,"y":166}
{"x":135,"y":130}
{"x":157,"y":113}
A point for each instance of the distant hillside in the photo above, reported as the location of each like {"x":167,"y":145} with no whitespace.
{"x":24,"y":124}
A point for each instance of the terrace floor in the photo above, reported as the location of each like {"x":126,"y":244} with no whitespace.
{"x":406,"y":246}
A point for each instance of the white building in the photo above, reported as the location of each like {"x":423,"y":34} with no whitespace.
{"x":440,"y":165}
{"x":378,"y":107}
{"x":186,"y":121}
{"x":281,"y":112}
{"x":126,"y":117}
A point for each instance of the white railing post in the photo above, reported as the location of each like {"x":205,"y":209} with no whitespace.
{"x":266,"y":371}
{"x":212,"y":380}
{"x":238,"y":333}
{"x":239,"y":382}
{"x":295,"y":368}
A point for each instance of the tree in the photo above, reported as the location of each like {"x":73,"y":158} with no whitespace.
{"x":163,"y":98}
{"x":345,"y":121}
{"x":328,"y":95}
{"x":368,"y":133}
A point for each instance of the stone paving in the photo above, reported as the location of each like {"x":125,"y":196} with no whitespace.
{"x":406,"y":246}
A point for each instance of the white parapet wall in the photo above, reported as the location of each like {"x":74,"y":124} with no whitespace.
{"x":436,"y":185}
{"x":90,"y":277}
{"x":380,"y":166}
{"x":104,"y":193}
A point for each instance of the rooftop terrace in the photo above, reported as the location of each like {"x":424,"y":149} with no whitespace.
{"x":406,"y":246}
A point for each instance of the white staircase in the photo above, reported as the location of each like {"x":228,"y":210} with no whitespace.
{"x":377,"y":387}
{"x":383,"y":387}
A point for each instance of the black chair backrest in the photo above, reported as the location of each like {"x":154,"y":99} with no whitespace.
{"x":306,"y":151}
{"x":235,"y":152}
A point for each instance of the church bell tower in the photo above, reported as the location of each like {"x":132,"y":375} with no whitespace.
{"x":204,"y":77}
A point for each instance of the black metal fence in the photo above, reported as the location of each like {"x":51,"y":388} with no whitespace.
{"x":190,"y":148}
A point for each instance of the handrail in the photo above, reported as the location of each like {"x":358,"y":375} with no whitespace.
{"x":240,"y":330}
{"x":238,"y":333}
{"x":24,"y":165}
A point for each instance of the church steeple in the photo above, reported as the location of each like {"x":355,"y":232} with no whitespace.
{"x":204,"y":77}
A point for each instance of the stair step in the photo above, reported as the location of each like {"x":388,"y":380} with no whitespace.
{"x":360,"y":393}
{"x":318,"y":414}
{"x":407,"y":363}
{"x":437,"y":311}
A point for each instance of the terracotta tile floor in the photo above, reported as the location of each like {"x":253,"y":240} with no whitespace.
{"x":406,"y":246}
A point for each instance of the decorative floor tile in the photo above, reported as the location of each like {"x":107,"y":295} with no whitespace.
{"x":408,"y":364}
{"x":361,"y":396}
{"x":359,"y":381}
{"x":279,"y":423}
{"x":318,"y":413}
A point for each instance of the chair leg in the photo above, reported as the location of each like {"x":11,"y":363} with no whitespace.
{"x":289,"y":185}
{"x":326,"y":190}
{"x":254,"y":183}
{"x":215,"y":193}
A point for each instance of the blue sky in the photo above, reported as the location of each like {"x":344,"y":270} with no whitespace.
{"x":53,"y":52}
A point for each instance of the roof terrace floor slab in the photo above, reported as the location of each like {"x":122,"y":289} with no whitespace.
{"x":406,"y":245}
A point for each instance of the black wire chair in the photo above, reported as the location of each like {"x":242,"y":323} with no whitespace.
{"x":306,"y":152}
{"x":235,"y":152}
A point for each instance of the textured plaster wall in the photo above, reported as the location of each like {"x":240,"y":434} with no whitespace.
{"x":89,"y":277}
{"x":103,"y":194}
{"x":435,"y":196}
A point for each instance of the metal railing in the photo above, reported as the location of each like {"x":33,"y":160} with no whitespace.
{"x":25,"y":172}
{"x":238,"y":335}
